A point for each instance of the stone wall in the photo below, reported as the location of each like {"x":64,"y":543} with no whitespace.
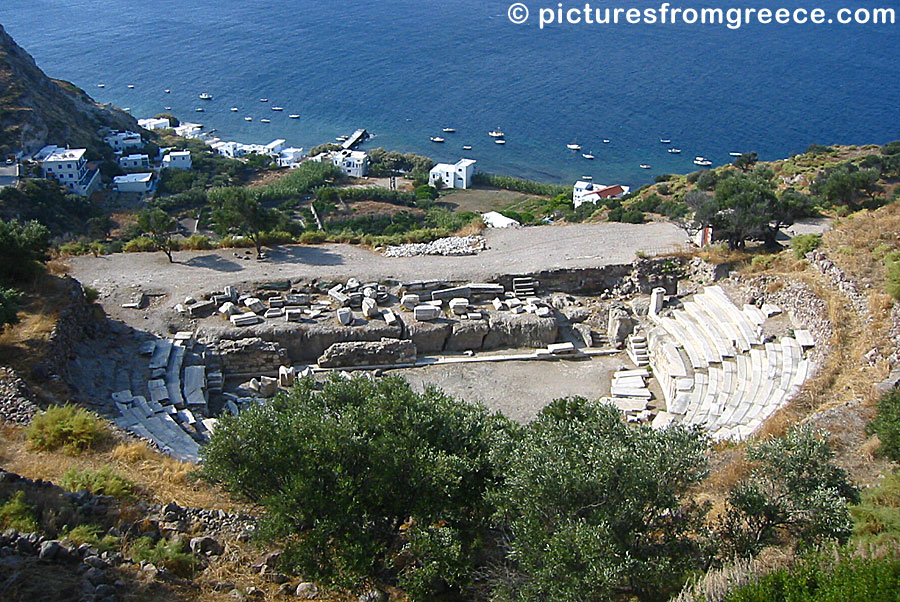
{"x":75,"y":321}
{"x":250,"y":355}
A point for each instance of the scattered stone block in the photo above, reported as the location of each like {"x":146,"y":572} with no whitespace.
{"x":450,"y":293}
{"x":512,"y":302}
{"x":147,"y":348}
{"x":561,"y":349}
{"x":276,"y":302}
{"x":352,"y":285}
{"x":312,"y":314}
{"x":202,"y":309}
{"x":268,"y":386}
{"x":294,"y":315}
{"x":531,"y":308}
{"x":369,"y":292}
{"x":275,"y":312}
{"x":245,"y":319}
{"x":389,"y":317}
{"x":771,"y":310}
{"x":427,"y":312}
{"x":183,"y":335}
{"x":498,"y":304}
{"x":370,"y":308}
{"x":255,"y":305}
{"x":459,"y":306}
{"x":123,"y":396}
{"x":484,"y":289}
{"x":298,"y":299}
{"x":409,"y":301}
{"x":517,"y":309}
{"x":178,"y":307}
{"x":286,"y":376}
{"x":543,"y":312}
{"x":337,"y":294}
{"x":231,"y":292}
{"x":229,"y":309}
{"x":345,"y":316}
{"x":475,"y":315}
{"x":804,"y":338}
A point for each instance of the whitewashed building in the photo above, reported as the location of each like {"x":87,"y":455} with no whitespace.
{"x":162,"y":123}
{"x":458,"y":175}
{"x":177,"y":160}
{"x":290,"y":157}
{"x":588,"y":192}
{"x":69,"y":168}
{"x":142,"y":183}
{"x":134,"y":162}
{"x":494,"y":219}
{"x":352,"y":163}
{"x":122,"y":140}
{"x":189,"y":130}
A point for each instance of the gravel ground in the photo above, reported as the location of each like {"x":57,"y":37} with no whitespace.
{"x":510,"y":251}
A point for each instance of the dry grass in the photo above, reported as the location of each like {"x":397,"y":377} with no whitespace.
{"x":160,"y":478}
{"x":474,"y":228}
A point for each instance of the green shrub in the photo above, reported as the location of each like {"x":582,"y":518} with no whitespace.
{"x":169,"y":554}
{"x":68,"y":427}
{"x":277,"y":238}
{"x":141,"y":244}
{"x":17,"y":514}
{"x":75,"y":248}
{"x":100,"y":482}
{"x":91,"y":294}
{"x":804,"y":243}
{"x":762,"y":262}
{"x":824,"y":578}
{"x":892,"y":274}
{"x":877,"y":516}
{"x":887,"y":425}
{"x":9,"y":306}
{"x":313,"y":237}
{"x":90,"y":534}
{"x":195,"y":242}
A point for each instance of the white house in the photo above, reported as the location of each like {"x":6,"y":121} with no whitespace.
{"x":69,"y":168}
{"x":351,"y":162}
{"x":122,"y":140}
{"x":453,"y":176}
{"x":588,"y":192}
{"x":232,"y":150}
{"x":9,"y":175}
{"x":136,"y":182}
{"x":189,"y":130}
{"x":177,"y":160}
{"x":155,"y":124}
{"x":275,"y":147}
{"x":290,"y":157}
{"x":134,"y":162}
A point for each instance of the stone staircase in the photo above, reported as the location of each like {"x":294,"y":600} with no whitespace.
{"x":524,"y":287}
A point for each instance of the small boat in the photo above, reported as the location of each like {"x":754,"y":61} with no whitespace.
{"x":248,"y":119}
{"x":265,"y":121}
{"x":573,"y":146}
{"x":606,"y":141}
{"x":675,"y":151}
{"x":702,"y":161}
{"x":588,"y":156}
{"x":342,"y":138}
{"x":277,"y":108}
{"x":101,"y":85}
{"x":644,"y":166}
{"x":263,"y":100}
{"x":467,"y":147}
{"x":499,"y":141}
{"x":234,"y":109}
{"x":735,"y":154}
{"x":449,"y":130}
{"x":294,"y":116}
{"x":131,"y":86}
{"x":167,"y":91}
{"x":206,"y":96}
{"x":665,"y":141}
{"x":498,"y":133}
{"x":587,"y":178}
{"x":199,"y":109}
{"x":437,"y":139}
{"x":168,"y":108}
{"x":127,"y":109}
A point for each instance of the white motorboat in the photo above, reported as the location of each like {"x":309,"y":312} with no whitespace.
{"x":573,"y":146}
{"x":437,"y":139}
{"x":199,"y":109}
{"x":702,"y":161}
{"x":168,"y":108}
{"x":131,"y":86}
{"x":675,"y":151}
{"x":294,"y":116}
{"x":167,"y":91}
{"x":206,"y":96}
{"x":665,"y":141}
{"x":498,"y":133}
{"x":499,"y":141}
{"x":277,"y":108}
{"x":234,"y":109}
{"x":265,"y":121}
{"x":588,"y":156}
{"x":587,"y":178}
{"x":449,"y":130}
{"x":644,"y":166}
{"x":735,"y":154}
{"x":101,"y":85}
{"x":467,"y":147}
{"x":248,"y":119}
{"x":606,"y":141}
{"x":263,"y":100}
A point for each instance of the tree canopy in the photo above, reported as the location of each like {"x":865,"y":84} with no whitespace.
{"x":159,"y":227}
{"x":236,"y":211}
{"x":21,"y":244}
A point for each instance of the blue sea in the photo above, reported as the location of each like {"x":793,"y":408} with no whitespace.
{"x":404,"y":69}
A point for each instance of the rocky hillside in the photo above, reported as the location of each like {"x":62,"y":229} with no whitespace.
{"x":36,"y":110}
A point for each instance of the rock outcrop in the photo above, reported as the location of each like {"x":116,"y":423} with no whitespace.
{"x":386,"y":352}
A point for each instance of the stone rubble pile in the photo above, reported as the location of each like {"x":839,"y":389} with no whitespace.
{"x":16,"y":403}
{"x":453,"y":246}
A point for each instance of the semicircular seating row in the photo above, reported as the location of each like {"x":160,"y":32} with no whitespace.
{"x":171,"y":415}
{"x":715,"y":369}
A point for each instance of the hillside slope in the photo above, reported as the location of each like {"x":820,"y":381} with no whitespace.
{"x":36,"y":110}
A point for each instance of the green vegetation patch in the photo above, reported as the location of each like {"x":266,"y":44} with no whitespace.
{"x":104,"y":481}
{"x":67,"y":427}
{"x":170,"y":554}
{"x":17,"y":514}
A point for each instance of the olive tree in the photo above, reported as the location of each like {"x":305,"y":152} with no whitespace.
{"x":159,"y":227}
{"x":597,"y":508}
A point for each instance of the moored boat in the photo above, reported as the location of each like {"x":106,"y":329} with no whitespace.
{"x":588,"y":156}
{"x":294,"y":116}
{"x":467,"y":147}
{"x":675,"y":151}
{"x":497,"y":133}
{"x":206,"y":96}
{"x":573,"y":146}
{"x":437,"y":139}
{"x":644,"y":166}
{"x":499,"y":141}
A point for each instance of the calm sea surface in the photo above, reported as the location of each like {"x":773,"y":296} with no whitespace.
{"x":404,"y":69}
